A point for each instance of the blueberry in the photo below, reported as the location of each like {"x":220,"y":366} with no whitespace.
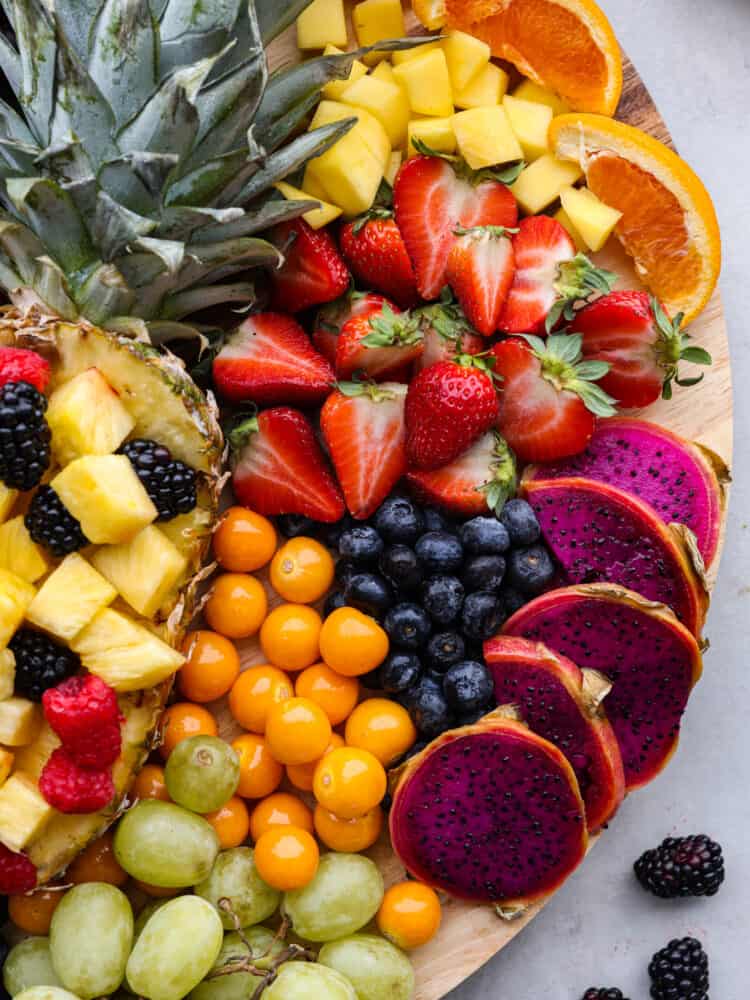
{"x":408,"y":626}
{"x":530,"y":570}
{"x":400,"y":565}
{"x":512,"y":600}
{"x":399,"y":671}
{"x":369,"y":593}
{"x":334,"y":601}
{"x":442,"y":598}
{"x":484,"y":536}
{"x":520,"y":520}
{"x":443,"y":650}
{"x":468,"y":686}
{"x":330,"y":534}
{"x":345,"y":570}
{"x":399,"y":520}
{"x":362,"y":544}
{"x":293,"y":525}
{"x":482,"y":615}
{"x":429,"y":709}
{"x":435,"y":521}
{"x":439,"y":552}
{"x":483,"y":573}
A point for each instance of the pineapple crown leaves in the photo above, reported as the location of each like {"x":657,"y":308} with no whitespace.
{"x":506,"y":174}
{"x":672,"y":347}
{"x":563,"y":366}
{"x":503,"y":482}
{"x":578,"y":282}
{"x":392,"y":329}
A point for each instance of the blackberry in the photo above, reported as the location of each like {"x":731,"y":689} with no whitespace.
{"x":24,"y":436}
{"x":602,"y":993}
{"x":170,"y":484}
{"x":682,"y":866}
{"x":40,"y":663}
{"x":49,"y":523}
{"x":680,"y":971}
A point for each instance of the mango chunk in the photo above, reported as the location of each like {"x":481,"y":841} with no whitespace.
{"x":313,"y":189}
{"x":321,"y":24}
{"x":488,"y":87}
{"x":16,"y":594}
{"x":6,"y":764}
{"x":7,"y":674}
{"x":394,"y":166}
{"x":24,"y":811}
{"x":530,"y":122}
{"x":485,"y":138}
{"x":335,"y":88}
{"x":542,"y":181}
{"x":428,"y":84}
{"x":437,"y":133}
{"x":591,"y":217}
{"x":316,"y":218}
{"x":20,"y":720}
{"x":466,"y":57}
{"x":565,"y":221}
{"x":368,"y":128}
{"x":377,"y":21}
{"x":397,"y":58}
{"x":7,"y":499}
{"x":349,"y":174}
{"x":385,"y":101}
{"x":530,"y":91}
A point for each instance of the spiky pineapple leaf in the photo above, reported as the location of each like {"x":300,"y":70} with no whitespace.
{"x":268,"y":215}
{"x":21,"y":246}
{"x":193,"y":29}
{"x":180,"y":221}
{"x":51,"y":287}
{"x":275,"y":16}
{"x":207,"y":181}
{"x":116,"y":227}
{"x":10,"y":63}
{"x":81,"y":112}
{"x":51,"y":213}
{"x":289,"y":124}
{"x":38,"y":52}
{"x":104,"y":293}
{"x":184,"y":303}
{"x":226,"y":109}
{"x":77,"y":19}
{"x":12,"y":125}
{"x":152,"y":169}
{"x":20,"y":155}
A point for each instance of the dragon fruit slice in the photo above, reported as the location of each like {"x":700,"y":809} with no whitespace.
{"x":682,"y":481}
{"x":490,"y":813}
{"x":651,"y":659}
{"x":563,"y":704}
{"x":599,"y":533}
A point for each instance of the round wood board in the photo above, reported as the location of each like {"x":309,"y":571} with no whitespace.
{"x":470,"y":935}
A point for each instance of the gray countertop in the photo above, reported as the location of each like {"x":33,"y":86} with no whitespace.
{"x":601,"y":929}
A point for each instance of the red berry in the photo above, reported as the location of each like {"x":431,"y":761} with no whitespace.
{"x":98,"y":748}
{"x":17,"y":873}
{"x":19,"y":365}
{"x":80,"y":706}
{"x":70,"y":788}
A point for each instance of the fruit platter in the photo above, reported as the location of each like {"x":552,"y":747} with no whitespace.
{"x":365,"y":430}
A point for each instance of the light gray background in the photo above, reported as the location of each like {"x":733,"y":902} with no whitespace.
{"x":601,"y":928}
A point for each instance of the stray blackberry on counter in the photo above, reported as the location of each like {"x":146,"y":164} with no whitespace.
{"x":24,"y":436}
{"x":682,"y":866}
{"x":520,"y":521}
{"x":408,"y":626}
{"x":603,"y":993}
{"x":49,"y":523}
{"x":40,"y":663}
{"x":680,"y":971}
{"x":170,"y":484}
{"x":369,"y":593}
{"x":530,"y":570}
{"x":362,"y":544}
{"x":399,"y":520}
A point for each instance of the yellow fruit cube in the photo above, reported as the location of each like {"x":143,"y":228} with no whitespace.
{"x":385,"y":101}
{"x":488,"y":87}
{"x":87,"y":417}
{"x":384,"y":71}
{"x":394,"y":166}
{"x":322,"y":23}
{"x":24,"y":812}
{"x":368,"y":127}
{"x":542,"y":181}
{"x":419,"y":50}
{"x":377,"y":21}
{"x":335,"y":88}
{"x":6,"y":765}
{"x":431,"y":13}
{"x":32,"y":758}
{"x":530,"y":91}
{"x":7,"y":674}
{"x":427,"y":84}
{"x":145,"y":571}
{"x":20,"y":720}
{"x":485,"y":138}
{"x":313,"y":189}
{"x":437,"y":133}
{"x":316,"y":218}
{"x":106,"y":496}
{"x":565,"y":221}
{"x":7,"y":499}
{"x":71,"y":596}
{"x":15,"y":597}
{"x":592,"y":218}
{"x":530,"y":122}
{"x":466,"y":57}
{"x":349,"y":174}
{"x":18,"y":553}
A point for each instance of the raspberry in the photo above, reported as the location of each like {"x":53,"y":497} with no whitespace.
{"x":20,"y":365}
{"x":98,"y":749}
{"x":17,"y":873}
{"x":79,"y":708}
{"x":71,"y":788}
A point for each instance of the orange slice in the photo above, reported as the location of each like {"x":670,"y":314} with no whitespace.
{"x":565,"y":45}
{"x":668,"y":223}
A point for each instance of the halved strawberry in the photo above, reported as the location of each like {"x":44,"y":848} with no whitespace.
{"x":332,"y":317}
{"x":379,"y":344}
{"x":374,"y":249}
{"x":480,"y":271}
{"x":313,"y":271}
{"x":446,"y":332}
{"x":269,"y":360}
{"x":632,"y":332}
{"x":364,"y":429}
{"x":278,"y":467}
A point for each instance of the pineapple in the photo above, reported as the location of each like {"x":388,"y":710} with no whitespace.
{"x":542,"y":181}
{"x":567,"y":223}
{"x":7,"y":500}
{"x":427,"y":84}
{"x":530,"y":121}
{"x":594,"y":220}
{"x":322,"y":23}
{"x":528,"y":90}
{"x":86,"y":417}
{"x":436,"y":132}
{"x":394,"y":166}
{"x":335,"y":89}
{"x":18,"y":553}
{"x":408,"y":54}
{"x":367,"y":128}
{"x":23,"y":811}
{"x":385,"y":101}
{"x":6,"y":764}
{"x":485,"y":137}
{"x":7,"y":673}
{"x":20,"y":720}
{"x":70,"y":597}
{"x":485,"y":89}
{"x":16,"y":595}
{"x":32,"y":758}
{"x":466,"y":57}
{"x":316,"y":218}
{"x":146,"y":571}
{"x":377,"y":20}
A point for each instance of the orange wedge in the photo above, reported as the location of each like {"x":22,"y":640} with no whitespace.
{"x":565,"y":45}
{"x":668,"y":223}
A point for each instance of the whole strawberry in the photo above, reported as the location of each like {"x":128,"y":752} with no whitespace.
{"x":448,"y":406}
{"x":375,"y":251}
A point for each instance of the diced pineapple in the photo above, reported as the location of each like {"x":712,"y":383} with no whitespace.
{"x":419,"y":50}
{"x":530,"y":122}
{"x":593,"y":219}
{"x":7,"y":499}
{"x":6,"y":764}
{"x":384,"y":71}
{"x":106,"y":496}
{"x":18,"y":553}
{"x":123,"y":653}
{"x":15,"y":597}
{"x":7,"y":674}
{"x":377,"y":21}
{"x":428,"y":84}
{"x":466,"y":57}
{"x":394,"y":166}
{"x":20,"y":720}
{"x":542,"y":181}
{"x":349,"y":174}
{"x":488,"y":87}
{"x":24,"y":811}
{"x":145,"y":571}
{"x":70,"y":597}
{"x":321,"y":24}
{"x":564,"y":219}
{"x":32,"y":758}
{"x":530,"y":91}
{"x":368,"y":128}
{"x":312,"y":188}
{"x":316,"y":218}
{"x":87,"y":417}
{"x":485,"y":138}
{"x":335,"y":88}
{"x":437,"y":133}
{"x":385,"y":101}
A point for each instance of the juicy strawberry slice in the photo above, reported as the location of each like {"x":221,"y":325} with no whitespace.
{"x":446,"y":333}
{"x":430,"y":199}
{"x":268,"y":360}
{"x":363,"y":426}
{"x":279,"y":468}
{"x":20,"y":365}
{"x":332,"y":317}
{"x":376,"y":254}
{"x":378,"y":344}
{"x":480,"y":271}
{"x":539,"y":247}
{"x":313,"y":271}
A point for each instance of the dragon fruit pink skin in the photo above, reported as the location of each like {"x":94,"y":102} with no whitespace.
{"x":563,"y":704}
{"x":490,"y":813}
{"x":652,"y":660}
{"x":599,"y":533}
{"x":682,"y":481}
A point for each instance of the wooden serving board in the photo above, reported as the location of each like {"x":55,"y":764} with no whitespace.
{"x":470,"y":935}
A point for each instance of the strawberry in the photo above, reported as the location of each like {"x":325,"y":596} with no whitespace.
{"x":269,"y":360}
{"x":363,"y":427}
{"x":548,"y":397}
{"x":483,"y":478}
{"x":448,"y":406}
{"x":632,"y":332}
{"x":313,"y":271}
{"x":431,"y":197}
{"x":446,"y":333}
{"x":376,"y":254}
{"x":279,"y":468}
{"x":378,"y":344}
{"x":331,"y":318}
{"x":480,"y":271}
{"x":550,"y":277}
{"x":20,"y":365}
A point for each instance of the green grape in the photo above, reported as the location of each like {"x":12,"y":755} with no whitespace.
{"x":145,"y":915}
{"x":202,"y":773}
{"x":165,"y":845}
{"x":308,"y":981}
{"x":240,"y":985}
{"x":90,"y":938}
{"x":234,"y":877}
{"x":45,"y":993}
{"x":344,"y":895}
{"x":176,"y":949}
{"x":377,"y":969}
{"x":29,"y":963}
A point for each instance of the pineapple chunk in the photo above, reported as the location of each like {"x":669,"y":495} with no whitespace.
{"x":376,"y":21}
{"x":313,"y":189}
{"x":565,"y":221}
{"x":485,"y":138}
{"x":123,"y":653}
{"x":7,"y":674}
{"x":591,"y":217}
{"x":368,"y":128}
{"x":428,"y":84}
{"x":321,"y":24}
{"x":70,"y":597}
{"x":530,"y":122}
{"x":24,"y":811}
{"x":335,"y":88}
{"x":316,"y":218}
{"x":20,"y":720}
{"x":530,"y":91}
{"x":394,"y":166}
{"x":419,"y":50}
{"x":32,"y":758}
{"x":146,"y":571}
{"x":350,"y":173}
{"x":385,"y":101}
{"x":437,"y":133}
{"x":86,"y":417}
{"x":6,"y":764}
{"x":487,"y":88}
{"x":106,"y":496}
{"x":7,"y":499}
{"x":542,"y":181}
{"x":431,"y":13}
{"x":466,"y":57}
{"x":15,"y":597}
{"x":384,"y":71}
{"x":18,"y":553}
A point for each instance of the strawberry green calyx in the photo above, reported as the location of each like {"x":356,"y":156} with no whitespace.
{"x":489,"y":232}
{"x":503,"y":483}
{"x":578,"y":282}
{"x":371,"y":215}
{"x":505,"y":175}
{"x":672,"y":347}
{"x":240,"y":432}
{"x":562,"y":365}
{"x":445,"y":317}
{"x":391,"y":329}
{"x":365,"y":387}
